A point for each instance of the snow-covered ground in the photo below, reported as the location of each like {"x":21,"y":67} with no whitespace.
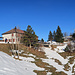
{"x":60,"y":48}
{"x":10,"y":66}
{"x":54,"y":55}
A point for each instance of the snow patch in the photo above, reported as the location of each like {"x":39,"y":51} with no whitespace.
{"x":53,"y":54}
{"x":10,"y":66}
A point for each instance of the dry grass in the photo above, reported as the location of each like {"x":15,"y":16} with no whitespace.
{"x":58,"y":62}
{"x":73,"y":69}
{"x":66,"y":67}
{"x":41,"y":64}
{"x":58,"y":73}
{"x":39,"y":54}
{"x":53,"y":46}
{"x":5,"y":48}
{"x":40,"y":72}
{"x":46,"y":66}
{"x":71,"y":60}
{"x":38,"y":61}
{"x":65,"y":54}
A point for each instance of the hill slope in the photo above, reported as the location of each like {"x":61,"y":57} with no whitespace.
{"x":10,"y":66}
{"x":37,"y":62}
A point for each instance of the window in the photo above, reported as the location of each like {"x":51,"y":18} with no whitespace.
{"x":12,"y":34}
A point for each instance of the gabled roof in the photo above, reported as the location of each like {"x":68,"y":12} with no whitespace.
{"x":15,"y":30}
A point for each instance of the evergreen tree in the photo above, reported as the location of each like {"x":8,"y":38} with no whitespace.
{"x":26,"y":39}
{"x":30,"y":37}
{"x":54,"y":35}
{"x":29,"y":29}
{"x":42,"y":40}
{"x":73,"y":36}
{"x":59,"y":35}
{"x":50,"y":36}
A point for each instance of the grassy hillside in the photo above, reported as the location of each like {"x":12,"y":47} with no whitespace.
{"x":5,"y":48}
{"x":39,"y":55}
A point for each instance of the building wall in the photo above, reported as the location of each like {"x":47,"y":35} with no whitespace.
{"x":10,"y":37}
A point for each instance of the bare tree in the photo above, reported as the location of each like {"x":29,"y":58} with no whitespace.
{"x":65,"y":34}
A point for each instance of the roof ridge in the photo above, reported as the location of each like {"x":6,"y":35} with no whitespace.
{"x":15,"y":30}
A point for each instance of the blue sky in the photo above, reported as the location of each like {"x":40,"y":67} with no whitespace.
{"x":42,"y":15}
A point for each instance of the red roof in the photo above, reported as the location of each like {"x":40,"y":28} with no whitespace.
{"x":15,"y":30}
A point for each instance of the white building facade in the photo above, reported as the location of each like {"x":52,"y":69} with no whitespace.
{"x":13,"y":36}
